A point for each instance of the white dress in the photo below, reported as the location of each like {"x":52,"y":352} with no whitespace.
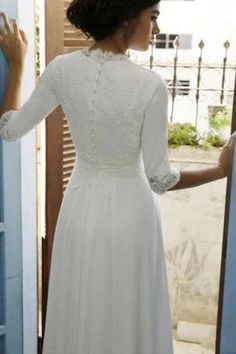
{"x":108,"y":290}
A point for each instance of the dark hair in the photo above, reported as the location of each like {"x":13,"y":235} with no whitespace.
{"x":102,"y":18}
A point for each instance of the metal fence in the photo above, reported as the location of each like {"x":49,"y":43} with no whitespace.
{"x":196,"y":89}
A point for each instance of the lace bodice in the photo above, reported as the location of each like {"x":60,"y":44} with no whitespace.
{"x":116,"y":110}
{"x":102,"y":56}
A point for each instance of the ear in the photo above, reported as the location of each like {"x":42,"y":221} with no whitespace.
{"x":130,"y":23}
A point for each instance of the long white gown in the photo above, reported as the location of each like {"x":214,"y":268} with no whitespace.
{"x":108,"y":290}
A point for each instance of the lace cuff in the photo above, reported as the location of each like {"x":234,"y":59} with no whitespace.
{"x":4,"y":133}
{"x":161,"y":184}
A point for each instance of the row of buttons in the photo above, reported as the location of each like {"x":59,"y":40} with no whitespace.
{"x":91,"y":117}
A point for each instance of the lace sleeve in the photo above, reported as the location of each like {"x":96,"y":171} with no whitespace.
{"x":161,"y":184}
{"x":154,"y":142}
{"x":43,"y":99}
{"x":4,"y":133}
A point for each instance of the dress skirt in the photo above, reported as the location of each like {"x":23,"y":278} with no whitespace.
{"x":108,"y":291}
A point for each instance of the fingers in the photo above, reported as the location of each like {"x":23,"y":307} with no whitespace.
{"x":232,"y":138}
{"x":23,"y":36}
{"x":2,"y":32}
{"x":7,"y":30}
{"x":2,"y":35}
{"x":6,"y":22}
{"x":15,"y":28}
{"x":234,"y":135}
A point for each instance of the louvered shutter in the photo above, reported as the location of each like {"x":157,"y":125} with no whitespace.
{"x":73,"y":40}
{"x":68,"y":154}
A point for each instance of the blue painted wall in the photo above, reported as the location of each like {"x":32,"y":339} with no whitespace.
{"x":11,"y":299}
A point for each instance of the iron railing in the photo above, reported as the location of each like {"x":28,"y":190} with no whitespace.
{"x":197,"y":90}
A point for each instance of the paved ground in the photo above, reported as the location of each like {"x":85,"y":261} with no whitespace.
{"x":188,"y":348}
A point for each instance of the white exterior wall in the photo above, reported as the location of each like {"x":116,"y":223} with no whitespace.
{"x":212,"y":21}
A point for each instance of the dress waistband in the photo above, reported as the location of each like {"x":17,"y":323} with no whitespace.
{"x":86,"y":169}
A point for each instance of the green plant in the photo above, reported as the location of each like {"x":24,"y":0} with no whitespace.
{"x":211,"y":139}
{"x":186,"y":134}
{"x":182,"y":134}
{"x":220,"y":120}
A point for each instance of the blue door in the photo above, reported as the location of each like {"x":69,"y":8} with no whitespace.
{"x":11,"y":299}
{"x":228,"y":321}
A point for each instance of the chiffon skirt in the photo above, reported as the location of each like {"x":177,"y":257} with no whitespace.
{"x":108,"y":291}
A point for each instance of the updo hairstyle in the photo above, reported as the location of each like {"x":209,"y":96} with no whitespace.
{"x":100,"y":19}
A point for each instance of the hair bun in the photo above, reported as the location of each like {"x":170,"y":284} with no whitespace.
{"x":100,"y":19}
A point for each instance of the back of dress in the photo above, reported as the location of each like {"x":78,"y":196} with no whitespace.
{"x":108,"y":290}
{"x":115,"y":108}
{"x":104,"y":102}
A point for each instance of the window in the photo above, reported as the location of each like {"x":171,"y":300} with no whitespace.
{"x":182,"y":87}
{"x":166,"y":41}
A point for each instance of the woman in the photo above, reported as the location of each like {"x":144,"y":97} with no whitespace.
{"x":108,"y":288}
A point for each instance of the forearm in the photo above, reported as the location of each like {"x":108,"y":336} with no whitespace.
{"x":11,"y":100}
{"x":194,"y":178}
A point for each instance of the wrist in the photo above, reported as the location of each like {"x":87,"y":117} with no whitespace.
{"x":17,"y":67}
{"x":221,"y":172}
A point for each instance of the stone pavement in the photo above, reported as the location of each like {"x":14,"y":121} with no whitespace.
{"x":188,"y":348}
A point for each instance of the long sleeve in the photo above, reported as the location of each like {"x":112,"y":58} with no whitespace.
{"x":154,"y":143}
{"x":42,"y":101}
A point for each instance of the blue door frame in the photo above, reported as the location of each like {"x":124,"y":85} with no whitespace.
{"x":11,"y":297}
{"x":226,"y":329}
{"x":228,"y":320}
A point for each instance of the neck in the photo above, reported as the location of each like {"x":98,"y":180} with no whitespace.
{"x":111,"y":45}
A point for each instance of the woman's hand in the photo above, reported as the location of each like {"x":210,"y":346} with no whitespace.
{"x":226,"y":156}
{"x":13,"y":41}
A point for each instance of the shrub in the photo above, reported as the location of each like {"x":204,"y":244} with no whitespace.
{"x":220,"y":120}
{"x":186,"y":134}
{"x":182,"y":134}
{"x":211,"y":139}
